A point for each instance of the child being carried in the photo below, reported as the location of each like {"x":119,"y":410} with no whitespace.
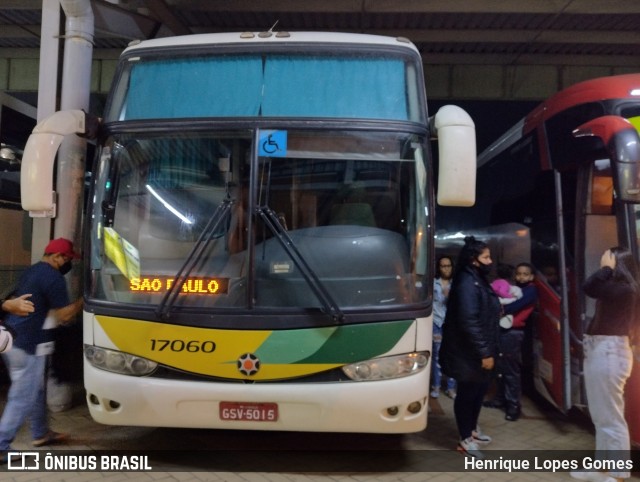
{"x":507,"y":292}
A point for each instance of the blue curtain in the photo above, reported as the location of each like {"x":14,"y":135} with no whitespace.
{"x":289,"y":86}
{"x":334,"y":87}
{"x":203,"y":87}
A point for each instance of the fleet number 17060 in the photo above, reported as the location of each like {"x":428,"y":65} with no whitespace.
{"x":192,"y":346}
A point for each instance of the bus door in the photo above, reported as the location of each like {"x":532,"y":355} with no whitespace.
{"x":598,"y":230}
{"x":555,"y":288}
{"x":547,"y":347}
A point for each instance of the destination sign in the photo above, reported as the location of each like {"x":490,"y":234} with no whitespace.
{"x":192,"y":285}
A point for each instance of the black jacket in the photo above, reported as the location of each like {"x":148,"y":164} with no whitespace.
{"x":470,"y":331}
{"x":615,"y":304}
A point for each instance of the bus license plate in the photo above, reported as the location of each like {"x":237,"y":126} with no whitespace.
{"x":250,"y":412}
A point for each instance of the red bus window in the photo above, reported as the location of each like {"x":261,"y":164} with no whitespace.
{"x":602,"y":195}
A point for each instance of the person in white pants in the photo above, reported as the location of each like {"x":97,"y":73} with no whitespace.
{"x":608,"y":357}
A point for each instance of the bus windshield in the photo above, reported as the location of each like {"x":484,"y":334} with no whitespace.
{"x":337,"y":84}
{"x":247,"y":231}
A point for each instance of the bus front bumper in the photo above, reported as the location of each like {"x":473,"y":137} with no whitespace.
{"x":386,"y":406}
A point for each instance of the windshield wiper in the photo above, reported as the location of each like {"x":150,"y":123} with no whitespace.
{"x":169,"y":298}
{"x":273,"y":223}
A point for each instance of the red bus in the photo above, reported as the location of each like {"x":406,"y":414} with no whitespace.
{"x":566,"y":181}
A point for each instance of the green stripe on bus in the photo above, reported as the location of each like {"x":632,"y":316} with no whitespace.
{"x":342,"y":344}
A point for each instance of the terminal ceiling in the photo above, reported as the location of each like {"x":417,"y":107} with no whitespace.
{"x":517,"y":51}
{"x":447,"y":32}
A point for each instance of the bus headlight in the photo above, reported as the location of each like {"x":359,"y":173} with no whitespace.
{"x":118,"y":362}
{"x":387,"y":367}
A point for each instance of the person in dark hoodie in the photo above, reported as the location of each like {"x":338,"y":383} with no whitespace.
{"x":470,"y":340}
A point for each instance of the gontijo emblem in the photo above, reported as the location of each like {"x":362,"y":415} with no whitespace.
{"x":248,"y":364}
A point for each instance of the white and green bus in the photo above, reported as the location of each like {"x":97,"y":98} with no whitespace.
{"x":259,"y":234}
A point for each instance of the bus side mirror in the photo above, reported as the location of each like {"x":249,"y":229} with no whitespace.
{"x":622,"y":143}
{"x":36,"y":176}
{"x":456,"y":136}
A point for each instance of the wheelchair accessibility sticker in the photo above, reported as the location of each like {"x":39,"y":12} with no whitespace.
{"x":273,"y":143}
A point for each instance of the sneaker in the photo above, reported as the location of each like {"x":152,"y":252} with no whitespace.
{"x":435,"y":392}
{"x":480,"y":437}
{"x":451,"y":393}
{"x":469,"y":447}
{"x":50,"y":438}
{"x":512,"y":414}
{"x":592,"y":476}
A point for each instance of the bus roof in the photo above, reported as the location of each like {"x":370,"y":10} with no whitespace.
{"x":266,"y":38}
{"x":603,"y":88}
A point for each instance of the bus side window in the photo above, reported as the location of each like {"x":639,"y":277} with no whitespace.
{"x":602,"y":195}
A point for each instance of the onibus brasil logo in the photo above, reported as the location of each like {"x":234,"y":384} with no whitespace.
{"x":76,"y":462}
{"x":23,"y":460}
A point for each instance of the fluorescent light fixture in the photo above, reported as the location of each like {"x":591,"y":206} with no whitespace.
{"x":177,"y":213}
{"x":457,"y":235}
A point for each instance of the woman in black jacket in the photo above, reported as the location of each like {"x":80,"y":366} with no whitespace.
{"x":608,"y":357}
{"x":470,"y":340}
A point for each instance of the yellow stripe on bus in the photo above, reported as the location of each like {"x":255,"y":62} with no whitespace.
{"x":205,"y":351}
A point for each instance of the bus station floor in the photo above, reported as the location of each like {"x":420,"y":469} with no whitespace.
{"x":541,"y":428}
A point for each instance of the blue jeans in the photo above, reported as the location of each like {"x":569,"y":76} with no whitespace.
{"x":436,"y":371}
{"x":607,"y":366}
{"x":27,"y":396}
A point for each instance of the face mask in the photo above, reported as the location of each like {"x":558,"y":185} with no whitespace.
{"x":485,"y":269}
{"x":65,"y":268}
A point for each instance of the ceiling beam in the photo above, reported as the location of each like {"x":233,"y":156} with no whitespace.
{"x":20,"y":4}
{"x":603,"y":37}
{"x":594,"y":7}
{"x":504,"y":6}
{"x":516,"y":36}
{"x":111,"y":20}
{"x":28,"y":53}
{"x":317,"y":6}
{"x":577,"y":37}
{"x":21,"y":31}
{"x":537,"y":59}
{"x":161,"y":11}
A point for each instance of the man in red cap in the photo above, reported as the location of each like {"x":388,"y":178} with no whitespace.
{"x":26,"y":360}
